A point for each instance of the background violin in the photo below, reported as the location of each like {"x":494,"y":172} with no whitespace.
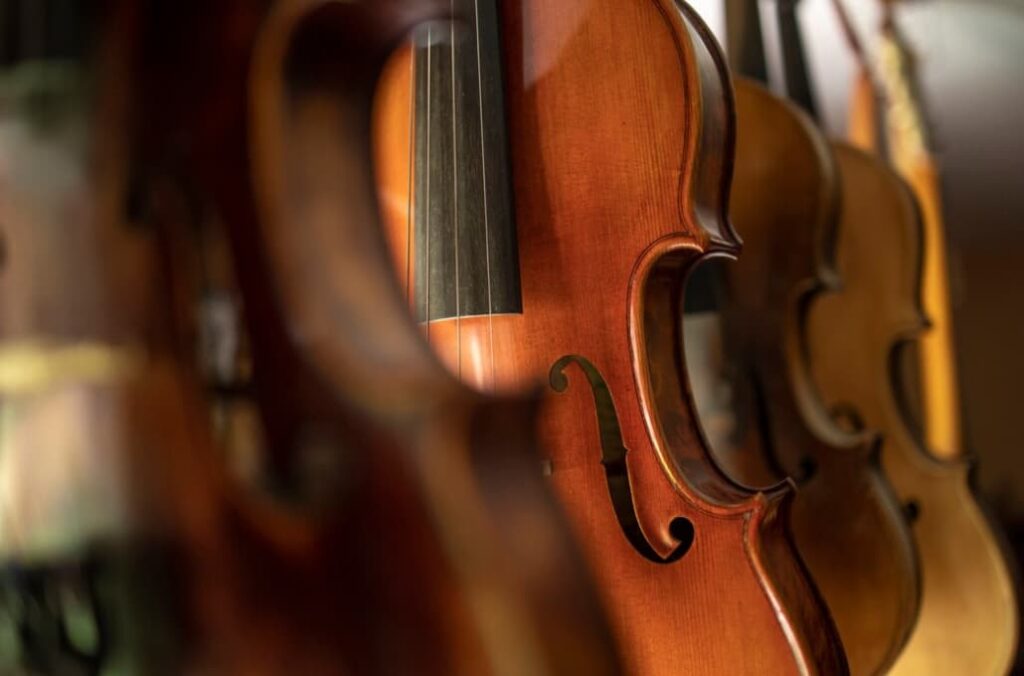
{"x":853,"y":337}
{"x":881,"y":251}
{"x":848,"y":523}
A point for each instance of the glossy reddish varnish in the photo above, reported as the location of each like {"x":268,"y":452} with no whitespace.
{"x":621,"y":140}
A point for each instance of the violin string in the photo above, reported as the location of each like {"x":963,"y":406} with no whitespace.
{"x":483,"y":176}
{"x":412,"y":161}
{"x":430,"y":40}
{"x":455,"y":197}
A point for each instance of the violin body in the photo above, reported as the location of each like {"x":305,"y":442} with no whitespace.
{"x":848,"y":524}
{"x":967,"y":621}
{"x":620,"y":136}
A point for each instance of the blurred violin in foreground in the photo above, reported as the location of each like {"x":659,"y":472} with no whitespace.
{"x":125,"y":540}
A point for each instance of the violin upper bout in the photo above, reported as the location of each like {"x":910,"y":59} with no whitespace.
{"x":706,"y":172}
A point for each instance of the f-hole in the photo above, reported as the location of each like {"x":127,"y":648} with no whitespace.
{"x":613,"y":458}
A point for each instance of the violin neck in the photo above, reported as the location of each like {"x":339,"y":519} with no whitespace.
{"x":795,"y":77}
{"x":772,"y":54}
{"x":464,"y":249}
{"x":745,"y":39}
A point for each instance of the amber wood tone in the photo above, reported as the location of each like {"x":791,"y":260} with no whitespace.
{"x":621,"y":137}
{"x":442,"y":552}
{"x":849,"y":526}
{"x":967,"y":619}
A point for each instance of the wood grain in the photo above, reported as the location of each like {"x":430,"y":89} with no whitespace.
{"x":621,"y":140}
{"x":967,"y":622}
{"x":849,"y":526}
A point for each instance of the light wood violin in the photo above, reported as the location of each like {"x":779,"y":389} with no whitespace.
{"x":966,"y":623}
{"x":548,"y":173}
{"x":885,"y":113}
{"x":968,"y":620}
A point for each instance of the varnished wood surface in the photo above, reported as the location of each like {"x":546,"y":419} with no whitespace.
{"x":967,"y":622}
{"x":849,"y":526}
{"x":621,"y":141}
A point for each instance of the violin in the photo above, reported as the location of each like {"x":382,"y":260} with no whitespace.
{"x":968,"y":619}
{"x":441,"y":551}
{"x":548,"y":174}
{"x":848,"y":524}
{"x":907,"y":140}
{"x":853,"y":337}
